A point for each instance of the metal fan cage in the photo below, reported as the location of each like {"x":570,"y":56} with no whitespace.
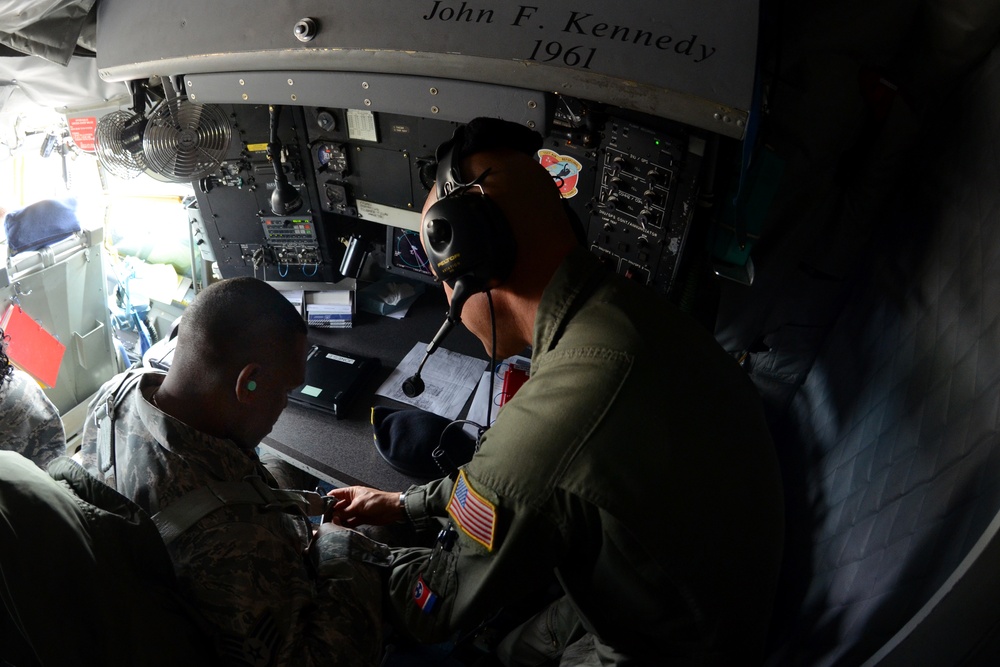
{"x":185,"y":141}
{"x":119,"y":156}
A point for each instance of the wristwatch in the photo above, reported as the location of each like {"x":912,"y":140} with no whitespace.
{"x":402,"y":506}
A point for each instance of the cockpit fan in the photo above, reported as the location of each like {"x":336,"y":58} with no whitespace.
{"x":118,"y":141}
{"x":184,"y":141}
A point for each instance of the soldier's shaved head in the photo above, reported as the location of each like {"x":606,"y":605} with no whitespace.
{"x":240,"y":349}
{"x":236,"y":321}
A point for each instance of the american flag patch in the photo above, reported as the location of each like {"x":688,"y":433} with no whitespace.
{"x":475,"y":515}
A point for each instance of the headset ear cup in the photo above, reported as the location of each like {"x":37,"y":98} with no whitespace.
{"x":468,"y":236}
{"x":437,"y":234}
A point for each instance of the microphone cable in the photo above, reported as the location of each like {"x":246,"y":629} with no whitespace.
{"x":440,"y":455}
{"x":493,"y":363}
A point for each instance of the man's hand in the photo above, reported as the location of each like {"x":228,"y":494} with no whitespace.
{"x":357,"y":505}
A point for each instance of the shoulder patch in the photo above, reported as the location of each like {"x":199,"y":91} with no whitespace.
{"x":473,"y":513}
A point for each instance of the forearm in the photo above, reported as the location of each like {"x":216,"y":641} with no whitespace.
{"x":360,"y":505}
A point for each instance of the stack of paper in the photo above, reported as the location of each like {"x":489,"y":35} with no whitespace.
{"x":449,"y":376}
{"x":295,"y":297}
{"x":330,"y":310}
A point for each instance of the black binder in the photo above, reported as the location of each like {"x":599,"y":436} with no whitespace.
{"x":333,"y":378}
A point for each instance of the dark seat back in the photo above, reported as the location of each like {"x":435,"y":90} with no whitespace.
{"x":84,"y":577}
{"x":891,"y":447}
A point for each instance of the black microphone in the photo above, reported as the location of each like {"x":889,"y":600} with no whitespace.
{"x":285,"y":199}
{"x":413,"y":386}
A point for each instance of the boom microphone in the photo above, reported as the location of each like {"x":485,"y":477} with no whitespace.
{"x":413,"y":386}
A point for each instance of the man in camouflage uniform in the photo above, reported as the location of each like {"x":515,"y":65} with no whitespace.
{"x":29,"y":423}
{"x":273,"y":597}
{"x":634,"y":466}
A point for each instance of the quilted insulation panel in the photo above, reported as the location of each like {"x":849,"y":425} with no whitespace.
{"x":892,"y":451}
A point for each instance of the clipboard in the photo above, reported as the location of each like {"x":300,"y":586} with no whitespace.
{"x":30,"y":347}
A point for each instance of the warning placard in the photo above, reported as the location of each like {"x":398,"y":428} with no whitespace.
{"x":82,"y":129}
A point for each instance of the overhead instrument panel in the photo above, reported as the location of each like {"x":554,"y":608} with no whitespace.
{"x":630,"y":100}
{"x":362,"y":178}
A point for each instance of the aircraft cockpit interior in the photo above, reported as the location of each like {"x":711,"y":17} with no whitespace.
{"x":816,"y":187}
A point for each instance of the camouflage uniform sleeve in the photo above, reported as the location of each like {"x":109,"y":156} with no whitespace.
{"x":29,"y":422}
{"x":253,"y":584}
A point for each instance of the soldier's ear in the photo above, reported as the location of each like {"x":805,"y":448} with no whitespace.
{"x":246,"y":382}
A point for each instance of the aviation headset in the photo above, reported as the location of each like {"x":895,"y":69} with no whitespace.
{"x":466,"y":236}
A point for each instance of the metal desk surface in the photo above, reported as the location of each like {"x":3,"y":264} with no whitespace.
{"x":342,"y":451}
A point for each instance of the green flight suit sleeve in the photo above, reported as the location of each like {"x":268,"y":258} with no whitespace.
{"x":472,"y":581}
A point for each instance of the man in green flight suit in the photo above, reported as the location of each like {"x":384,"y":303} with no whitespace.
{"x":634,"y":464}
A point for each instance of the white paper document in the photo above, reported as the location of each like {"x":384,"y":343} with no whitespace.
{"x":449,"y":379}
